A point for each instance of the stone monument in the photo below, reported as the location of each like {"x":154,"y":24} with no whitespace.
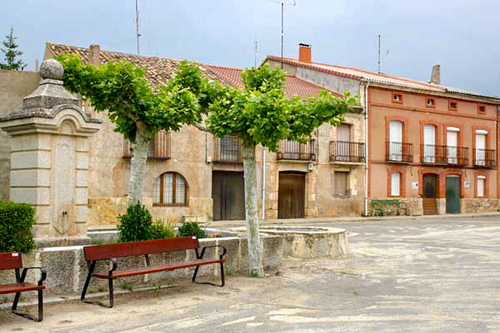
{"x":50,"y":158}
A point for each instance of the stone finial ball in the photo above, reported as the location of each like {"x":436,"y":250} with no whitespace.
{"x":51,"y":69}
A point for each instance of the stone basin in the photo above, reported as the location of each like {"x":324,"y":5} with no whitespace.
{"x":309,"y":242}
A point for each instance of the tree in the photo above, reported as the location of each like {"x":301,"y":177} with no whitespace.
{"x":262,"y":114}
{"x":138,"y":110}
{"x":11,"y":53}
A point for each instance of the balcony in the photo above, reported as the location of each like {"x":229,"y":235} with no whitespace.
{"x":397,"y":152}
{"x":295,"y":151}
{"x":227,"y":150}
{"x":484,"y":158}
{"x":444,"y":155}
{"x":159,"y":147}
{"x":347,"y":152}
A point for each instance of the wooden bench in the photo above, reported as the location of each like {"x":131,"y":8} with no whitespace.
{"x":112,"y":252}
{"x":15,"y":261}
{"x":379,"y":207}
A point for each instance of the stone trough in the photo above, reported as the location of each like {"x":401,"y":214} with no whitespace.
{"x":308,"y":242}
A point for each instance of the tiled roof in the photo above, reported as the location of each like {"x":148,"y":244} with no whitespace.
{"x":158,"y":70}
{"x":294,"y":85}
{"x":360,"y":74}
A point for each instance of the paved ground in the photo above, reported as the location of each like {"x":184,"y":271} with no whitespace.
{"x":424,"y":275}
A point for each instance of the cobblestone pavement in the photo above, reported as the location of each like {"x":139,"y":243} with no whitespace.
{"x":426,"y":275}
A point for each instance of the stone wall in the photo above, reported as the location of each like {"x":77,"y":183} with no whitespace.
{"x":481,"y":205}
{"x":67,"y":268}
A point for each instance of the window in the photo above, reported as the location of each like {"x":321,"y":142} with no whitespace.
{"x":397,"y":98}
{"x":341,"y":188}
{"x":395,"y":184}
{"x":395,"y":140}
{"x":431,"y":102}
{"x":452,"y":105}
{"x":480,"y":151}
{"x":170,"y":189}
{"x":159,"y":147}
{"x":480,"y":186}
{"x":481,"y":109}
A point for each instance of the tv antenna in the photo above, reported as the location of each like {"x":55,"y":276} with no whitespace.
{"x":379,"y":54}
{"x":283,"y":3}
{"x":137,"y":25}
{"x":256,"y":47}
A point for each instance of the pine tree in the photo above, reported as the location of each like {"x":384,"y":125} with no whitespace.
{"x":11,"y":53}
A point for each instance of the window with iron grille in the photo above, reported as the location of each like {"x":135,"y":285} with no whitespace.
{"x":170,"y":189}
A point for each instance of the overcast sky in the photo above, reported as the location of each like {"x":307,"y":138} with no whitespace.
{"x":461,"y":35}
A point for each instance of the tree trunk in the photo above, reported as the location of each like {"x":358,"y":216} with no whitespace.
{"x":140,"y":150}
{"x":252,"y":213}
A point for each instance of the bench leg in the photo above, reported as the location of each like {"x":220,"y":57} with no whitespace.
{"x":111,"y":295}
{"x":28,"y":316}
{"x":223,"y":280}
{"x":87,"y":281}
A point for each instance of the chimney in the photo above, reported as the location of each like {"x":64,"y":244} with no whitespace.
{"x":305,"y":53}
{"x":94,"y":55}
{"x":436,"y":74}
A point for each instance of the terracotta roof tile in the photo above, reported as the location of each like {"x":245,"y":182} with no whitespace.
{"x":360,"y":74}
{"x":294,"y":85}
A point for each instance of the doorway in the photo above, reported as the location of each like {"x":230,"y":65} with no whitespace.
{"x":430,"y":191}
{"x":453,"y":194}
{"x":291,"y":195}
{"x":228,"y":195}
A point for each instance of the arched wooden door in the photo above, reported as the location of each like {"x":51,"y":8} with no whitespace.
{"x":291,"y":195}
{"x":430,"y":191}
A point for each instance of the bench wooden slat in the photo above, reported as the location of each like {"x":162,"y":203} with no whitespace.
{"x":129,"y":249}
{"x":11,"y":260}
{"x":18,"y":287}
{"x":156,"y":269}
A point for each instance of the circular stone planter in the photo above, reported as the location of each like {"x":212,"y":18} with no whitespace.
{"x":309,"y":242}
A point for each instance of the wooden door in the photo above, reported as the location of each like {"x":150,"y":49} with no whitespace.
{"x":480,"y":149}
{"x":343,"y":141}
{"x":451,"y":146}
{"x":430,"y":191}
{"x":453,"y":194}
{"x":291,"y":195}
{"x":429,"y":150}
{"x":228,"y":194}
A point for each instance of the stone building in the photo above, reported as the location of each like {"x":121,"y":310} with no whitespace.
{"x":193,"y":176}
{"x":432,"y":147}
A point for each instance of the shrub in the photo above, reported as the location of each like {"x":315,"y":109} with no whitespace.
{"x":135,"y":225}
{"x":16,"y":222}
{"x":161,"y":231}
{"x":191,"y":229}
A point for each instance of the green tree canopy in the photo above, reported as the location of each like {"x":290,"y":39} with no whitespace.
{"x":11,"y":53}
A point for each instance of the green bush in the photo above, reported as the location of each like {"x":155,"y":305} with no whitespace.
{"x":191,"y":229}
{"x":16,"y":222}
{"x":161,"y":231}
{"x":135,"y":225}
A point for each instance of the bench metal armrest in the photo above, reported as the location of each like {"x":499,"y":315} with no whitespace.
{"x":224,"y":250}
{"x":114,"y":262}
{"x":43,"y":272}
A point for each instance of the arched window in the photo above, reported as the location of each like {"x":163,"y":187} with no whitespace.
{"x":170,"y":189}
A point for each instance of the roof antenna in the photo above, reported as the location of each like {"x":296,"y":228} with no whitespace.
{"x":379,"y":54}
{"x":137,"y":25}
{"x":255,"y":46}
{"x":294,"y":3}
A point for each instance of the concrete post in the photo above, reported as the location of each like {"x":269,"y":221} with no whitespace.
{"x":50,"y":158}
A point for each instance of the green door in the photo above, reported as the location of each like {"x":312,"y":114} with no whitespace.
{"x":452,"y":194}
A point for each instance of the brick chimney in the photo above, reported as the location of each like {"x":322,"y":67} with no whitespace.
{"x":94,"y":55}
{"x":436,"y":74}
{"x":305,"y":53}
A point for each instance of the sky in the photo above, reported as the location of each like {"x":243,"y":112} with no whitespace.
{"x":460,"y":35}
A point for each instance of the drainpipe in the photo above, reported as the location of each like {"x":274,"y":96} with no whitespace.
{"x":366,"y":146}
{"x":264,"y":150}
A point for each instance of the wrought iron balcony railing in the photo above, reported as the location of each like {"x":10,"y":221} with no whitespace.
{"x":399,"y":152}
{"x":444,"y":155}
{"x":293,"y":150}
{"x":228,"y":149}
{"x":484,"y":158}
{"x":346,"y":151}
